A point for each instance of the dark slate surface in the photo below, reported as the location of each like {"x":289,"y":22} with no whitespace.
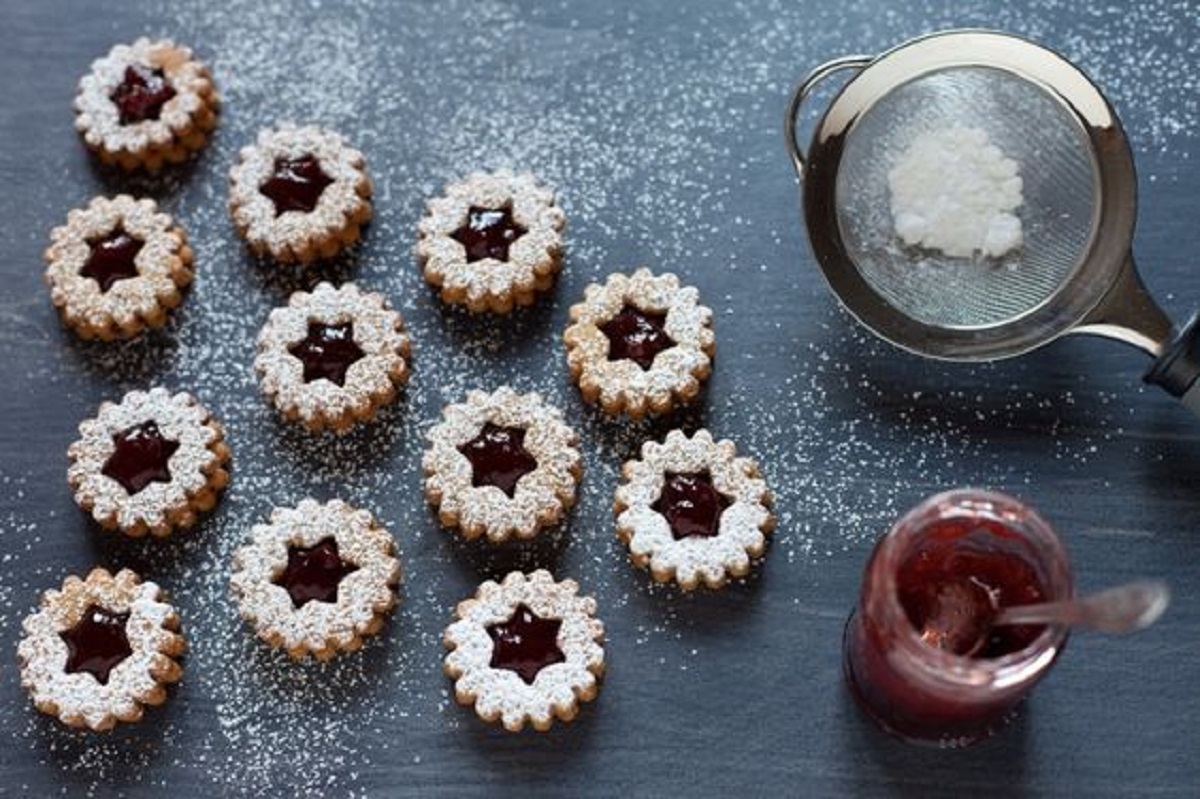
{"x":661,"y":128}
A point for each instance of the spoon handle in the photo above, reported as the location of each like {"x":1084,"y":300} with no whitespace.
{"x":1123,"y":609}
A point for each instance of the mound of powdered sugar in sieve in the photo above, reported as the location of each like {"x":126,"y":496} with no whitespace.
{"x":953,"y":190}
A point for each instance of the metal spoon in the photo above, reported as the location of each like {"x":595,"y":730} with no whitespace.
{"x":967,"y":613}
{"x":1123,"y":609}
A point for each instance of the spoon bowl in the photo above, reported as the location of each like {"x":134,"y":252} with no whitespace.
{"x":967,"y":612}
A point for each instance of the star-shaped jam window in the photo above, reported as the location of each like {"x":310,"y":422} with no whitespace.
{"x":498,"y":457}
{"x":141,"y":456}
{"x":97,"y":643}
{"x":314,"y":573}
{"x":488,"y":233}
{"x":327,"y":352}
{"x":141,"y":94}
{"x":296,"y":184}
{"x":636,"y":335}
{"x":526,"y":643}
{"x":111,"y":258}
{"x":691,"y":504}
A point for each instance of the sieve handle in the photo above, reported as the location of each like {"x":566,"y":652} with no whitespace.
{"x":803,"y":89}
{"x":1178,"y":368}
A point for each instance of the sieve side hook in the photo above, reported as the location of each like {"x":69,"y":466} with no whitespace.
{"x":803,"y":89}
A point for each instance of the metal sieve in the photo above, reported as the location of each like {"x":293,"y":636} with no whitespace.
{"x":1074,"y":272}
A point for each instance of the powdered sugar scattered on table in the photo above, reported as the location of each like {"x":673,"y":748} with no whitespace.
{"x":663,"y":154}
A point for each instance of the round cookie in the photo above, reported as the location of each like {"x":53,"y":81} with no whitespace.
{"x":300,"y":193}
{"x":492,"y":241}
{"x":692,"y":511}
{"x":501,"y":465}
{"x":527,"y":650}
{"x":146,"y":104}
{"x":99,"y":650}
{"x":639,"y":344}
{"x":316,"y":580}
{"x":117,"y":268}
{"x":148,"y":464}
{"x":331,"y":358}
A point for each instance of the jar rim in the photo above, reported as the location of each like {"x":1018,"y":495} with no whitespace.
{"x":937,"y":666}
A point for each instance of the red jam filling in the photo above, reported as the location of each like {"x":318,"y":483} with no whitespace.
{"x":141,"y":456}
{"x":327,"y":352}
{"x":314,"y":573}
{"x":498,"y":457}
{"x":296,"y":184}
{"x":488,"y":233}
{"x":141,"y":94}
{"x":97,"y":643}
{"x":526,"y":643}
{"x":637,"y":336}
{"x":691,"y":504}
{"x":953,"y":585}
{"x":112,"y":258}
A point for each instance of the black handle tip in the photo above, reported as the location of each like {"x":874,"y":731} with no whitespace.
{"x":1177,"y":368}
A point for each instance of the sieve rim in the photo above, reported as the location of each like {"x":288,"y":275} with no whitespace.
{"x":1099,"y":264}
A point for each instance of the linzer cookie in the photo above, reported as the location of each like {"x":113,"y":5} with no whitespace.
{"x":332,"y":358}
{"x":317,"y":580}
{"x":527,"y":650}
{"x":300,"y":193}
{"x":117,"y":268}
{"x":149,"y":464}
{"x":99,"y":650}
{"x":693,"y":511}
{"x":146,"y":104}
{"x":501,"y":465}
{"x":640,"y":344}
{"x":492,"y":241}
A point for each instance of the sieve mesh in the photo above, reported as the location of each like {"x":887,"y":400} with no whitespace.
{"x":1060,"y":179}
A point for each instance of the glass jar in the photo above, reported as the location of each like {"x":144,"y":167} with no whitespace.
{"x":921,"y":692}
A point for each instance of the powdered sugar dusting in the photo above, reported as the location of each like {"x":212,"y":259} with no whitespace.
{"x":370,"y":381}
{"x":362,"y":596}
{"x":77,"y":698}
{"x":661,"y":134}
{"x":742,"y":526}
{"x":556,"y":689}
{"x":955,"y":191}
{"x":533,"y":259}
{"x":539,"y":498}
